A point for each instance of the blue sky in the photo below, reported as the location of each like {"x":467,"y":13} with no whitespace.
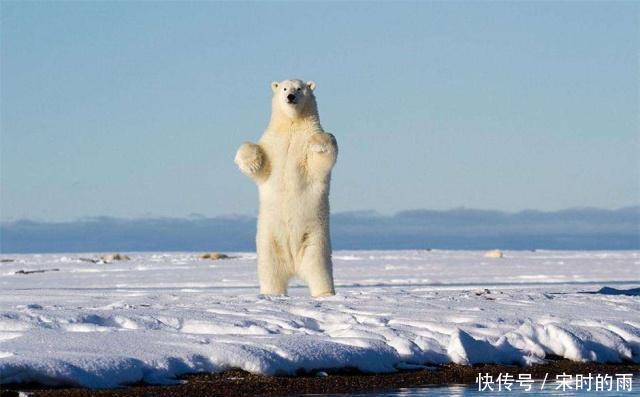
{"x":134,"y":109}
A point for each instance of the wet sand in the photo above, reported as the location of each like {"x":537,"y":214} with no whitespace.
{"x":241,"y":383}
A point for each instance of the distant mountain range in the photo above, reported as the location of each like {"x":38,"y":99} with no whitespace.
{"x":571,"y":229}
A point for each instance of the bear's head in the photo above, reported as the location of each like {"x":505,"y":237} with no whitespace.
{"x":294,"y":98}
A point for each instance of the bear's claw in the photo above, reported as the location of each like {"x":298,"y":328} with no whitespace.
{"x":319,"y":148}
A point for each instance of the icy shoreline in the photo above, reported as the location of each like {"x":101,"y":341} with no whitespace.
{"x":162,"y":315}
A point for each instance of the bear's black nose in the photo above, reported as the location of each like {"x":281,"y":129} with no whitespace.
{"x":291,"y":97}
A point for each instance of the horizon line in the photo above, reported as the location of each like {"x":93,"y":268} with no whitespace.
{"x":371,"y":212}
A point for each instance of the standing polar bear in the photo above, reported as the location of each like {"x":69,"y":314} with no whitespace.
{"x":291,"y":164}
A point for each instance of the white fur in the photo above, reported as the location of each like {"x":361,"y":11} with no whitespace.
{"x":291,"y":164}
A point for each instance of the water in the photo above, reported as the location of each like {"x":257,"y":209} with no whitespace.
{"x":516,"y":391}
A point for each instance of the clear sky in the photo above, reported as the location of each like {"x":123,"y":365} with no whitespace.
{"x":134,"y":109}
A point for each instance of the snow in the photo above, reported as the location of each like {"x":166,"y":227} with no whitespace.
{"x":160,"y":315}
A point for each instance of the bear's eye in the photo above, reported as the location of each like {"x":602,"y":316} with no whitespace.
{"x":298,"y":88}
{"x":285,"y":89}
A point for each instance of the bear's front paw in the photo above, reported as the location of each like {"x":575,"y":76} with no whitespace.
{"x":322,"y":143}
{"x":249,"y":158}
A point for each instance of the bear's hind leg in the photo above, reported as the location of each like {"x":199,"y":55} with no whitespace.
{"x":315,"y":268}
{"x":272,"y":272}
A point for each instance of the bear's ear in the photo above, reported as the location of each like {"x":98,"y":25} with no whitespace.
{"x":311,"y":85}
{"x":274,"y":86}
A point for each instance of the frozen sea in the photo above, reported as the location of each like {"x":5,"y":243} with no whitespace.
{"x":160,"y":315}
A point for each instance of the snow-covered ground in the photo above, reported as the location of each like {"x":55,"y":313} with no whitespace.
{"x":163,"y":314}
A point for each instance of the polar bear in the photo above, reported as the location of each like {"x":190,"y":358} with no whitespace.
{"x":291,"y":164}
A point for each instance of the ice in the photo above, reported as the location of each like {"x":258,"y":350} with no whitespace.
{"x":160,"y":315}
